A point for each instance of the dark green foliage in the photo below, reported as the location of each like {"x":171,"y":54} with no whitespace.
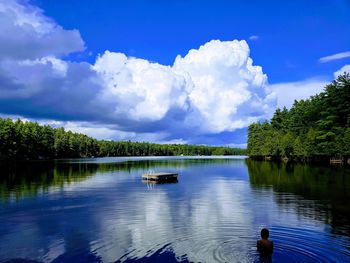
{"x":29,"y":140}
{"x":316,"y":127}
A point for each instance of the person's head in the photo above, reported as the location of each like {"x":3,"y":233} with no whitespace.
{"x":265,"y":233}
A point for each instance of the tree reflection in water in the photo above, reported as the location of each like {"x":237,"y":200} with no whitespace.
{"x":322,"y":192}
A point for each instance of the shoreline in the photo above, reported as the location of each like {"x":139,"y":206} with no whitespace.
{"x":324,"y":160}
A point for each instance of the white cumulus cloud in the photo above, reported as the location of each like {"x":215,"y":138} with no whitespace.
{"x":137,"y":88}
{"x":228,"y":91}
{"x":216,"y":87}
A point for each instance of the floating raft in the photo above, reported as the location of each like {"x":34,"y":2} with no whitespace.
{"x":336,"y":161}
{"x":151,"y":182}
{"x":160,"y":176}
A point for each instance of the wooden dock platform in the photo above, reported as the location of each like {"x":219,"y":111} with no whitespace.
{"x":160,"y":176}
{"x":154,"y":182}
{"x":336,"y":161}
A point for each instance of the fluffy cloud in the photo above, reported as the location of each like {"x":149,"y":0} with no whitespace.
{"x":228,"y":91}
{"x":213,"y":89}
{"x":27,"y":34}
{"x":139,"y":89}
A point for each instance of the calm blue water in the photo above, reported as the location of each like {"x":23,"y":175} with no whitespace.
{"x":99,"y":210}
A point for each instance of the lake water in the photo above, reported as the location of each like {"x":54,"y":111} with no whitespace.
{"x":99,"y":210}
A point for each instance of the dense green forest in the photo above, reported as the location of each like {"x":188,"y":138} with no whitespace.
{"x":313,"y":129}
{"x":29,"y":140}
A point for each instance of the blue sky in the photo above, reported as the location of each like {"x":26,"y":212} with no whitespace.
{"x":55,"y":66}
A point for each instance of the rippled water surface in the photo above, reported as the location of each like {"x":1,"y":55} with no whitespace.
{"x":99,"y":210}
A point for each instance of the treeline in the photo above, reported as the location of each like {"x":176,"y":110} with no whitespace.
{"x":313,"y":129}
{"x":29,"y":140}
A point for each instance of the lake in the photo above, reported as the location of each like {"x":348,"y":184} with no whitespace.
{"x":100,"y":210}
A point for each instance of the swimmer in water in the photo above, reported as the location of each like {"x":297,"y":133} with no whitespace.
{"x":265,"y":246}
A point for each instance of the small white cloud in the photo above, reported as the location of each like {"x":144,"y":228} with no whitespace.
{"x":95,"y":131}
{"x":175,"y":141}
{"x":288,"y":92}
{"x":334,"y":57}
{"x":341,"y":71}
{"x":254,"y":37}
{"x":237,"y":145}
